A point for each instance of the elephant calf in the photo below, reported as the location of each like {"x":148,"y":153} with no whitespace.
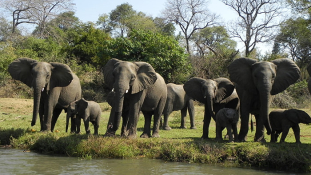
{"x":89,"y":111}
{"x":177,"y":99}
{"x":281,"y":120}
{"x":226,"y":118}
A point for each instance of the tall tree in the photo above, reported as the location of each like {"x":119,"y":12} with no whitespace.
{"x":190,"y":16}
{"x":295,"y":39}
{"x":35,"y":11}
{"x":256,"y":23}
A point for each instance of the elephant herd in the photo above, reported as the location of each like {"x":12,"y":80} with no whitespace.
{"x":136,"y":87}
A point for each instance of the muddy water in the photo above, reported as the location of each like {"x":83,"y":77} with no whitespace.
{"x":14,"y":161}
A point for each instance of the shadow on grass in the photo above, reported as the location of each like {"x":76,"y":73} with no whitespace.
{"x":6,"y":135}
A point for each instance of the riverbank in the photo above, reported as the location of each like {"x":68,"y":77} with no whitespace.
{"x":178,"y":145}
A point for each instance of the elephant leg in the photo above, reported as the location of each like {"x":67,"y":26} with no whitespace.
{"x":277,"y":134}
{"x":146,"y":133}
{"x":245,"y":111}
{"x":135,"y":102}
{"x":218,"y":132}
{"x":273,"y":134}
{"x":156,"y":117}
{"x":86,"y":121}
{"x":296,"y":130}
{"x":50,"y":104}
{"x":125,"y":118}
{"x":206,"y":122}
{"x":235,"y":131}
{"x":284,"y":134}
{"x":165,"y":125}
{"x":229,"y":132}
{"x":183,"y":116}
{"x":56,"y":113}
{"x":78,"y":124}
{"x":259,"y":135}
{"x":191,"y":113}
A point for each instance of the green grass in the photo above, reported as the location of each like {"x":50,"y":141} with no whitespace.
{"x":179,"y":145}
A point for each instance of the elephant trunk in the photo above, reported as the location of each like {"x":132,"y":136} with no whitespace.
{"x":263,"y":119}
{"x":115,"y":116}
{"x":210,"y":106}
{"x":36,"y":104}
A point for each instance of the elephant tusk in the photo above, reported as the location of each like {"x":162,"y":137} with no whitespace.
{"x":112,"y":90}
{"x":42,"y":89}
{"x":126,"y":91}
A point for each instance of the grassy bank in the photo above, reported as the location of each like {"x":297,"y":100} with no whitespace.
{"x":182,"y":145}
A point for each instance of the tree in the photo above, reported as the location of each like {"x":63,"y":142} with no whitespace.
{"x":295,"y":39}
{"x":214,"y":52}
{"x":120,"y":16}
{"x":256,"y":23}
{"x":190,"y":16}
{"x":165,"y":27}
{"x":57,"y":28}
{"x":35,"y":11}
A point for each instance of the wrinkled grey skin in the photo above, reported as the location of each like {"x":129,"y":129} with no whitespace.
{"x":137,"y":85}
{"x":255,"y":82}
{"x":110,"y":99}
{"x":177,"y":99}
{"x":88,"y":111}
{"x":54,"y":85}
{"x":214,"y":94}
{"x":227,"y":118}
{"x":282,"y":120}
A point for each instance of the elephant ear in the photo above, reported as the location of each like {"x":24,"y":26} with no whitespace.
{"x":241,"y":73}
{"x":224,"y":90}
{"x":292,"y":115}
{"x":61,"y":75}
{"x":193,"y":88}
{"x":20,"y":69}
{"x":108,"y":70}
{"x":145,"y":77}
{"x":83,"y":104}
{"x":287,"y":73}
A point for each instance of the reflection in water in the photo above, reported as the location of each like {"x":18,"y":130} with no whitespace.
{"x":14,"y":161}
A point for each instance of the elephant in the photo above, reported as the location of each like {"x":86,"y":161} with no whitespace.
{"x":255,"y":82}
{"x":89,"y":111}
{"x":137,"y":85}
{"x":54,"y":84}
{"x":215,"y":94}
{"x":227,"y":118}
{"x":177,"y":99}
{"x":282,"y":120}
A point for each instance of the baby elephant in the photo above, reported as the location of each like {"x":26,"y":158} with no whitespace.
{"x":89,"y":111}
{"x":227,"y":118}
{"x":281,"y":120}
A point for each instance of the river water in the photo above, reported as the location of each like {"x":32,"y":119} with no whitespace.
{"x":14,"y":161}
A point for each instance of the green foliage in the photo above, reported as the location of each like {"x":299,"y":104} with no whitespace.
{"x":85,"y":42}
{"x":162,"y":52}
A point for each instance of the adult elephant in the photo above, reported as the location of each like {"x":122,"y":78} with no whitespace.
{"x":137,"y":85}
{"x":177,"y":99}
{"x":55,"y":87}
{"x":255,"y":83}
{"x":215,"y":94}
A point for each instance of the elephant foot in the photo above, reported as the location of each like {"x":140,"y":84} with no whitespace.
{"x":145,"y":135}
{"x":155,"y":135}
{"x":218,"y":140}
{"x":205,"y":137}
{"x":167,"y":128}
{"x":182,"y":127}
{"x":109,"y":134}
{"x":193,"y":127}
